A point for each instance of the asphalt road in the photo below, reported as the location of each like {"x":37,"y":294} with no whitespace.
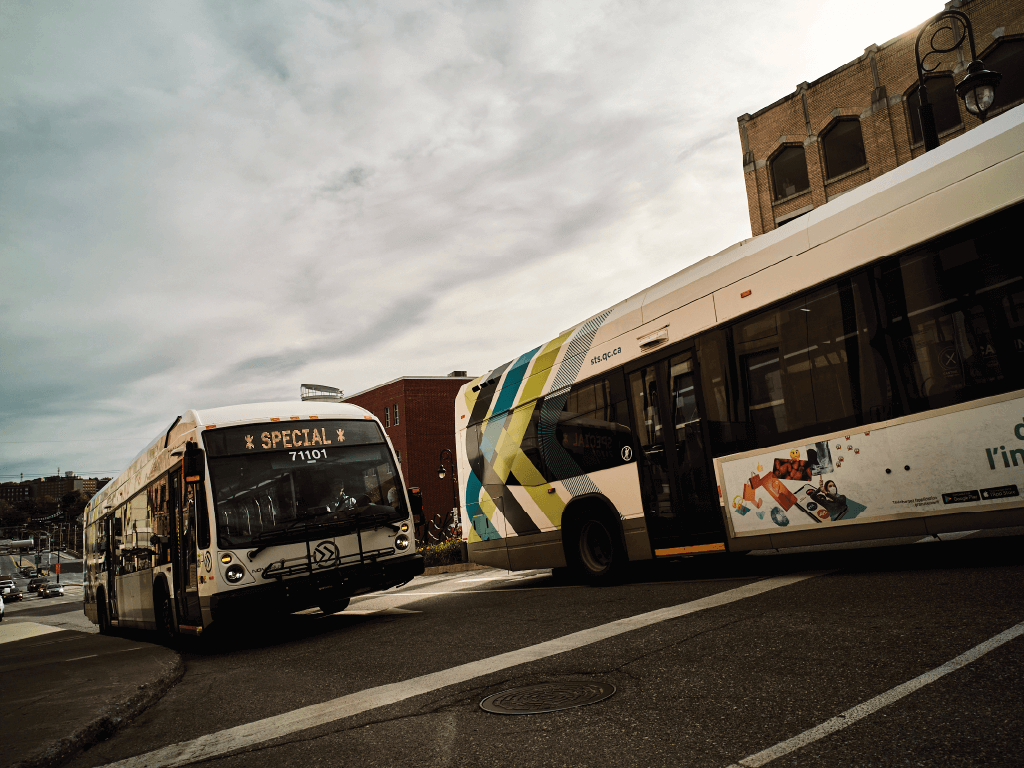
{"x":826,"y":646}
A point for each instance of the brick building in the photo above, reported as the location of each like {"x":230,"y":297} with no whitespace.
{"x":860,"y":120}
{"x":53,"y":487}
{"x":14,"y":492}
{"x":418,"y":414}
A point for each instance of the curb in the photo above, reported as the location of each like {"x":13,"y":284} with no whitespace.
{"x":454,"y":568}
{"x":109,"y":721}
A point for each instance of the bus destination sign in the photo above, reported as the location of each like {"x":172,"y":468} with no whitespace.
{"x":258,"y":438}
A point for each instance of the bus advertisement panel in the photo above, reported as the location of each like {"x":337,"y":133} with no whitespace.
{"x":908,"y":469}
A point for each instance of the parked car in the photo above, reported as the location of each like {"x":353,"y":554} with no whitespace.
{"x":13,"y":595}
{"x":51,"y":590}
{"x":38,"y":581}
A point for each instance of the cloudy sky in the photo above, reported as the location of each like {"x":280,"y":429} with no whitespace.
{"x":206,"y":203}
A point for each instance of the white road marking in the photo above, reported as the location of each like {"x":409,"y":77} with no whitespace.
{"x":945,"y":537}
{"x":382,"y":612}
{"x":519,"y":589}
{"x":249,"y":734}
{"x":850,"y":716}
{"x":107,"y":653}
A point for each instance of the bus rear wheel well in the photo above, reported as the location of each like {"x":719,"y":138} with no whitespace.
{"x":592,"y":539}
{"x":163,"y":610}
{"x":103,"y":612}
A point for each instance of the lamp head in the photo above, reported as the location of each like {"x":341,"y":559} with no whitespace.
{"x":978,"y":89}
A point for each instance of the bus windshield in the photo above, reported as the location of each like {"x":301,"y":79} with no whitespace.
{"x":276,"y":494}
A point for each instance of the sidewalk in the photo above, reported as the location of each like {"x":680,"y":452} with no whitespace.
{"x":63,"y":690}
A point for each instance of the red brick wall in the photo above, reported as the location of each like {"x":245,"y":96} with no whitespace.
{"x":426,"y":425}
{"x":850,"y":91}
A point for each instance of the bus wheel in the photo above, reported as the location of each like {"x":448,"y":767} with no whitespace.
{"x":102,"y":614}
{"x":164,"y":615}
{"x":335,"y":607}
{"x":599,"y":555}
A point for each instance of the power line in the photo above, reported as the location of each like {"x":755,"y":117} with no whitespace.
{"x":83,"y":440}
{"x":64,"y":477}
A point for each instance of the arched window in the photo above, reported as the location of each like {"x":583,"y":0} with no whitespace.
{"x":1007,"y":58}
{"x":945,"y":106}
{"x":789,"y":172}
{"x":844,"y":148}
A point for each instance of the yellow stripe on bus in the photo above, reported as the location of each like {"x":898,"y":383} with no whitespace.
{"x":719,"y":547}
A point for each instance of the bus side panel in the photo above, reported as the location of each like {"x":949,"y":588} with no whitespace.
{"x":135,"y":599}
{"x":900,"y":470}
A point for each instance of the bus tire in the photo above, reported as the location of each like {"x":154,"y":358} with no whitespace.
{"x":103,"y":613}
{"x":336,"y":607}
{"x":165,"y":625}
{"x":595,"y":550}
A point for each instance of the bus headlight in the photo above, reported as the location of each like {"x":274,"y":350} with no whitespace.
{"x":401,"y":542}
{"x":234,"y":573}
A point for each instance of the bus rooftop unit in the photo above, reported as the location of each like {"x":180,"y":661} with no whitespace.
{"x":249,"y":511}
{"x":854,"y":374}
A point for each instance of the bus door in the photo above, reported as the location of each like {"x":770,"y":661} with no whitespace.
{"x":676,"y":477}
{"x":111,"y":544}
{"x":183,"y":550}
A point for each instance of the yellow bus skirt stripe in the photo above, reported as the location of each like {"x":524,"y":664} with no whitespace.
{"x":719,"y":547}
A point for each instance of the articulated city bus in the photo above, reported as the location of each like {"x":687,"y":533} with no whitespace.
{"x":249,"y":510}
{"x":857,"y":373}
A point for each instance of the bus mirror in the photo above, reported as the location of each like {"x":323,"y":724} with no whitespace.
{"x":194,"y":463}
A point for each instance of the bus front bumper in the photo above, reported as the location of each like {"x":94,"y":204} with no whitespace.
{"x":316,"y":589}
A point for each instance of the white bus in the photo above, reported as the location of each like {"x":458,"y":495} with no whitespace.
{"x":855,"y":374}
{"x":249,"y":511}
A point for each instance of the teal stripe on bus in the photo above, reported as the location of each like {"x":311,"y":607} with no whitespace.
{"x":513,"y":380}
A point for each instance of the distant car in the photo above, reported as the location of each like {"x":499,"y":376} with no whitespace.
{"x":51,"y":590}
{"x":36,"y":583}
{"x":13,"y":595}
{"x":26,"y":571}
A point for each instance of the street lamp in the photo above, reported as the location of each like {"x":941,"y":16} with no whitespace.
{"x":977,"y":89}
{"x":441,"y":472}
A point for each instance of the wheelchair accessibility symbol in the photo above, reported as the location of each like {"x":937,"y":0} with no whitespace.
{"x":326,"y":554}
{"x":627,"y":453}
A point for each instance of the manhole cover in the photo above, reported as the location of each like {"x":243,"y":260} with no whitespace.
{"x":546,"y":697}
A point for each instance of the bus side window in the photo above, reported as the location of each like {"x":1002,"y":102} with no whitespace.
{"x":809,"y":366}
{"x":585,"y":429}
{"x":954,"y":306}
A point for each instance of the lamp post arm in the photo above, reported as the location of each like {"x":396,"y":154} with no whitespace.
{"x":935,"y":48}
{"x":929,"y":131}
